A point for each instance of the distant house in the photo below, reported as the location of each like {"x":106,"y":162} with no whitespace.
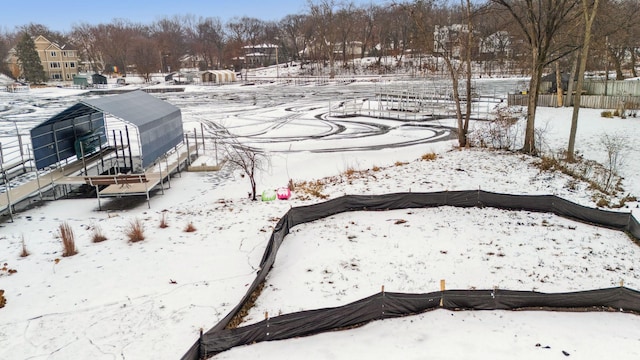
{"x":192,"y":62}
{"x":497,"y":44}
{"x":60,"y":62}
{"x":351,"y":48}
{"x":446,"y":39}
{"x":260,"y":55}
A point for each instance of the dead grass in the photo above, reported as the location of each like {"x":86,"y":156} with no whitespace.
{"x":312,"y":188}
{"x":24,"y":252}
{"x":135,"y":232}
{"x":400,"y":163}
{"x":163,"y":221}
{"x":190,"y":227}
{"x":97,"y":235}
{"x":375,"y":168}
{"x":429,"y":156}
{"x":238,"y":319}
{"x":589,"y":172}
{"x":350,"y":172}
{"x":68,"y":240}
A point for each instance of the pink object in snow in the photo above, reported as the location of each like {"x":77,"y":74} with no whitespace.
{"x":283,"y":193}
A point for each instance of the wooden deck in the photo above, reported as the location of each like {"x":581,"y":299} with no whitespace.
{"x":45,"y":181}
{"x":112,"y":185}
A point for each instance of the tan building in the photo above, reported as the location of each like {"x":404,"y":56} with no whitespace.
{"x":60,"y":63}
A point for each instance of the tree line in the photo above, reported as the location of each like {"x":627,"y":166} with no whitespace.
{"x":327,"y":32}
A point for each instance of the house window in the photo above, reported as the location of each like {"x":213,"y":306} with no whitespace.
{"x":72,"y":64}
{"x":68,"y":76}
{"x":54,"y":65}
{"x":53,"y":54}
{"x":66,"y":65}
{"x":55,"y":76}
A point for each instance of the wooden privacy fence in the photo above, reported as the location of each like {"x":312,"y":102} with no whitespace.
{"x":586,"y":101}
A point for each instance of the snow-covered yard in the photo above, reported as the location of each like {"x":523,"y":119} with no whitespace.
{"x":117,"y":300}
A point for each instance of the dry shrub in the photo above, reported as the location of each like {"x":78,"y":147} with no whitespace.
{"x":291,"y":185}
{"x":602,"y":202}
{"x":68,"y":240}
{"x":97,"y":235}
{"x":190,"y":227}
{"x":606,"y":114}
{"x":429,"y":156}
{"x":375,"y":168}
{"x":24,"y":252}
{"x":312,"y":188}
{"x":135,"y":232}
{"x":501,"y":132}
{"x":163,"y":221}
{"x":400,"y":163}
{"x":350,"y":172}
{"x":626,"y":199}
{"x":548,"y":163}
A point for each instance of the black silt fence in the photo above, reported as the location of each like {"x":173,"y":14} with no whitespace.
{"x":389,"y":305}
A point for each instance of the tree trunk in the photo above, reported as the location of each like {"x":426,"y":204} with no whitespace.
{"x":467,"y":117}
{"x":572,"y":75}
{"x":617,"y":64}
{"x":589,"y":16}
{"x":559,"y":91}
{"x":529,"y":146}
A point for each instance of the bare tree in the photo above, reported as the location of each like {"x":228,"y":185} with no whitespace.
{"x":589,"y":11}
{"x":399,"y":33}
{"x":171,"y":40}
{"x":539,"y":22}
{"x":344,"y":30}
{"x":381,"y":33}
{"x":144,"y":54}
{"x":364,"y":20}
{"x":456,"y":50}
{"x":325,"y":23}
{"x":245,"y":31}
{"x":615,"y":146}
{"x":616,"y":33}
{"x":207,"y":40}
{"x":38,"y":29}
{"x":248,"y":160}
{"x":114,"y":45}
{"x":295,"y":35}
{"x":85,"y":37}
{"x":4,"y":52}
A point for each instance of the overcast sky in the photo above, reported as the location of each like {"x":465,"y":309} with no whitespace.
{"x":62,"y":15}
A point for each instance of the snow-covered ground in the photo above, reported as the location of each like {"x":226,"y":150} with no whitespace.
{"x":121,"y":300}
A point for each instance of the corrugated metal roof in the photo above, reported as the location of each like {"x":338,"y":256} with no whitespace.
{"x":159,"y":126}
{"x":137,"y":107}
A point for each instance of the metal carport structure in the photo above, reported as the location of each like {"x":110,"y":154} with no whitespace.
{"x":82,"y":129}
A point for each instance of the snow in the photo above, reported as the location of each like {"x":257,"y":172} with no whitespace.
{"x":117,"y":299}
